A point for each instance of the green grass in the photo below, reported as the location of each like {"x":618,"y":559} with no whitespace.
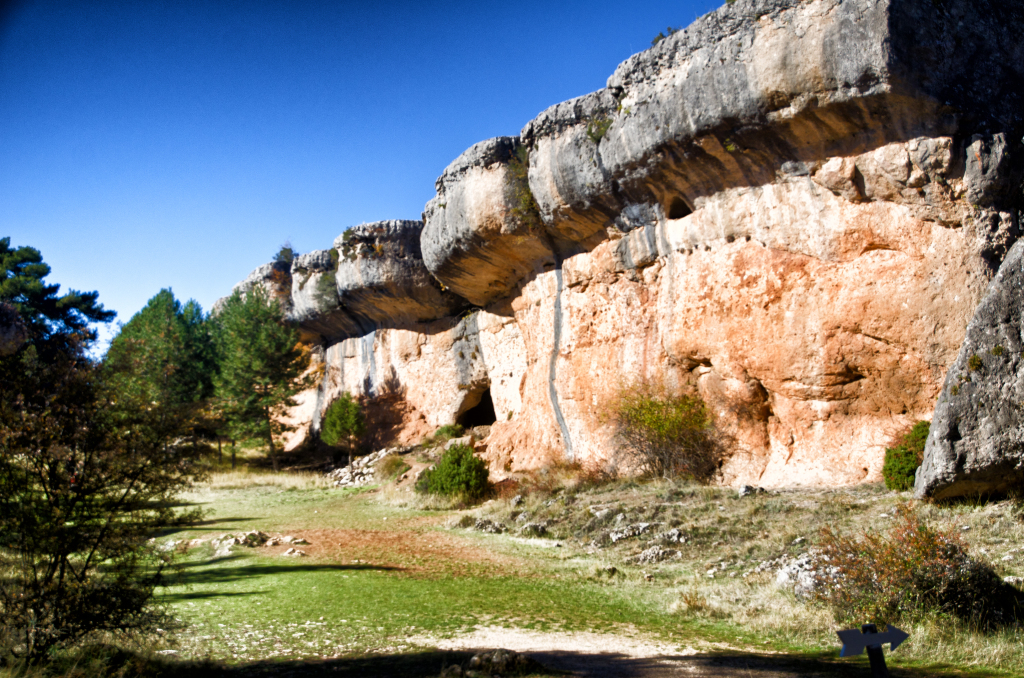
{"x":345,"y":607}
{"x":265,"y":614}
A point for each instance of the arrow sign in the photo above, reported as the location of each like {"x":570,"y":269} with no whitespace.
{"x":855,"y":641}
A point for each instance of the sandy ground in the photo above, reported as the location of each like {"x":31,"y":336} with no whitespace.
{"x":606,"y":655}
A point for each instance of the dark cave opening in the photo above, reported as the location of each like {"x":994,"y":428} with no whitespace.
{"x":678,"y":209}
{"x":481,"y":414}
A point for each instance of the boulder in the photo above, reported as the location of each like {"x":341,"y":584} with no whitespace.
{"x":373,"y":276}
{"x":976,"y":440}
{"x":483,"y":234}
{"x":381,"y":277}
{"x":762,"y":88}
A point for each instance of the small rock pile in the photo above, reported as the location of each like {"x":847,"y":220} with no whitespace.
{"x":361,"y":471}
{"x":655,"y":554}
{"x":799,"y":574}
{"x":490,"y":527}
{"x":494,"y":663}
{"x":629,"y":531}
{"x":222,"y":545}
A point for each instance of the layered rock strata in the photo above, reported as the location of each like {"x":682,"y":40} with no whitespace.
{"x":791,"y":207}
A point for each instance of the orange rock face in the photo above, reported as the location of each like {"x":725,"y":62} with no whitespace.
{"x":793,"y":213}
{"x":815,"y":326}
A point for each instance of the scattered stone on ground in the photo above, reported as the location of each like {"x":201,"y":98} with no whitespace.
{"x":464,"y":440}
{"x":484,"y":525}
{"x":253,"y":539}
{"x":294,"y":552}
{"x":534,"y":529}
{"x":494,"y":663}
{"x":629,"y":532}
{"x":803,"y":573}
{"x":673,"y":536}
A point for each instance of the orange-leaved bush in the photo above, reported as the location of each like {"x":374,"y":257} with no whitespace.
{"x":911,"y":571}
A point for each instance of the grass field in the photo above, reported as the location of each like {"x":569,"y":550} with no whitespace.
{"x":385,"y":586}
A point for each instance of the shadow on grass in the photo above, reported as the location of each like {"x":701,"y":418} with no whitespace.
{"x":186,"y":596}
{"x":430,"y":663}
{"x":210,"y":525}
{"x":188,"y":576}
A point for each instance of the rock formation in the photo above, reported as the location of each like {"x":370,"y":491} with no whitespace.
{"x":976,"y":441}
{"x":791,"y":206}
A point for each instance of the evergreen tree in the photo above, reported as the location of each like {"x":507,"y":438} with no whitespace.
{"x":343,"y":424}
{"x":52,"y":320}
{"x":262,"y":367}
{"x":163,"y":359}
{"x":85,"y":478}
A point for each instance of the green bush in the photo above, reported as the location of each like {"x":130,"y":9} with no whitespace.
{"x":661,"y":36}
{"x":524,"y":204}
{"x":343,"y":424}
{"x":902,"y":460}
{"x":668,"y":435}
{"x":459,"y":472}
{"x":597,"y":127}
{"x":908,"y":573}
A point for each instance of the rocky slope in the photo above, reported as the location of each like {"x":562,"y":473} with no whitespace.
{"x":792,"y":206}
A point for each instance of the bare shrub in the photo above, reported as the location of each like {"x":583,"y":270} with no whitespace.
{"x":390,"y":467}
{"x":663,"y":434}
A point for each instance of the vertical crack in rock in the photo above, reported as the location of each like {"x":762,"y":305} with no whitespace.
{"x":368,"y":362}
{"x":553,"y":367}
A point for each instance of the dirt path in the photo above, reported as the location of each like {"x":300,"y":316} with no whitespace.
{"x":605,"y":655}
{"x":415,"y":552}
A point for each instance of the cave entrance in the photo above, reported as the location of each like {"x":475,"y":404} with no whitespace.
{"x":678,"y":209}
{"x":480,"y":414}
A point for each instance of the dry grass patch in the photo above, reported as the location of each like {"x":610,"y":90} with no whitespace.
{"x":731,"y":548}
{"x":244,"y":478}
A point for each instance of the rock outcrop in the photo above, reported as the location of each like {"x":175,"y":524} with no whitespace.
{"x":791,"y":207}
{"x":976,"y":441}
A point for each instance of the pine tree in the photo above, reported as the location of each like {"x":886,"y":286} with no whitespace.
{"x":85,"y":477}
{"x":262,"y":368}
{"x":343,"y":424}
{"x":52,"y":320}
{"x":163,"y":359}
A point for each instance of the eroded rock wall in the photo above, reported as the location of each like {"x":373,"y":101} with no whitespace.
{"x":816,"y":345}
{"x":792,"y":207}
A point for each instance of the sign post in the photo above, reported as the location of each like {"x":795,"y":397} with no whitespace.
{"x":855,"y":642}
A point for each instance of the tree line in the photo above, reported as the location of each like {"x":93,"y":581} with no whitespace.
{"x":93,"y":452}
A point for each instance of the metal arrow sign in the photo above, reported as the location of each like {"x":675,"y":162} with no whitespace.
{"x":855,"y":642}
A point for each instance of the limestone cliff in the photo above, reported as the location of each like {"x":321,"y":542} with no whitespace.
{"x":792,"y":206}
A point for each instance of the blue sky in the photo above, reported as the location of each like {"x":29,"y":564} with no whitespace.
{"x":154,"y":144}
